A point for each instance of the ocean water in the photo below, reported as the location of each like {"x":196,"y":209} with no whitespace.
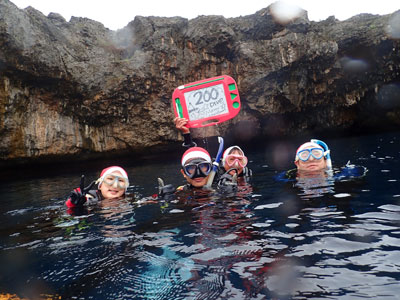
{"x":310,"y":239}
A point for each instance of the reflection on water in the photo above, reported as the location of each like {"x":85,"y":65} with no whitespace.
{"x":314,"y":238}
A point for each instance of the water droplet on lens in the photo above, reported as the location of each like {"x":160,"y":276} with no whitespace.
{"x":393,"y":27}
{"x":284,"y":12}
{"x":353,"y":65}
{"x":388,"y":96}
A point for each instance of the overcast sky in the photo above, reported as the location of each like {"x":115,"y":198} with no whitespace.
{"x":115,"y":14}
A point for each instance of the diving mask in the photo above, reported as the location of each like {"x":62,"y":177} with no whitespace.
{"x":235,"y":159}
{"x":110,"y":180}
{"x":316,"y":153}
{"x":197,"y":168}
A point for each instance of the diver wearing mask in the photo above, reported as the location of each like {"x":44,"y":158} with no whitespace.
{"x":233,"y":162}
{"x":196,"y":168}
{"x":112,"y":183}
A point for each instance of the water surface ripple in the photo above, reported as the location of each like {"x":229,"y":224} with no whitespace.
{"x":332,"y":239}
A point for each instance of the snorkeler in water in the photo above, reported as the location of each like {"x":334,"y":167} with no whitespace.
{"x":313,"y":156}
{"x":313,"y":159}
{"x":313,"y":172}
{"x":196,"y":168}
{"x":112,"y":183}
{"x":234,"y":162}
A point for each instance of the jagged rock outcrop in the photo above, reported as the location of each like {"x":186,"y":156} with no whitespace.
{"x":68,"y":88}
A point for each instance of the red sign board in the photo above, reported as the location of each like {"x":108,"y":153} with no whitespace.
{"x":207,"y":102}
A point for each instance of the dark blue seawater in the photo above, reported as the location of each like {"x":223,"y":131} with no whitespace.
{"x":271,"y":240}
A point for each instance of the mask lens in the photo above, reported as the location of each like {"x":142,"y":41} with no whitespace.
{"x":109,"y":180}
{"x":304,"y":154}
{"x":122,"y":183}
{"x":190,"y":170}
{"x":205,"y":168}
{"x":243,"y":161}
{"x":230,"y":159}
{"x":317,"y":153}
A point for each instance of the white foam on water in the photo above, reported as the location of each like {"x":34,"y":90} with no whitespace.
{"x":260,"y":225}
{"x":324,"y":214}
{"x":390,"y":207}
{"x":342,"y":195}
{"x":176,"y":211}
{"x":292,"y":225}
{"x":272,"y":205}
{"x":294,"y":217}
{"x":68,"y":223}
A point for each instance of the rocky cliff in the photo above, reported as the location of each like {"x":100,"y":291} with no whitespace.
{"x":68,"y":88}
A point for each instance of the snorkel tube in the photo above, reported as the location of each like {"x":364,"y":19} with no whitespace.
{"x":327,"y":152}
{"x":216,"y":162}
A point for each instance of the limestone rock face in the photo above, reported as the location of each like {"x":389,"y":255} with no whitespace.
{"x":68,"y":88}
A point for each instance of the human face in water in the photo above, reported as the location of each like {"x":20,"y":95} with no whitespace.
{"x":197,"y":182}
{"x":113,"y":186}
{"x":237,"y":160}
{"x":312,"y":164}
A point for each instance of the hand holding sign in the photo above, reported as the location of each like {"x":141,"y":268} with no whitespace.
{"x":207,"y":102}
{"x":180,"y":124}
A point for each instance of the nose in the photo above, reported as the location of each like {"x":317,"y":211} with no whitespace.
{"x":115,"y":183}
{"x":311,"y":157}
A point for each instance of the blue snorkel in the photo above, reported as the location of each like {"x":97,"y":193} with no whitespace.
{"x":327,"y":152}
{"x":216,"y":162}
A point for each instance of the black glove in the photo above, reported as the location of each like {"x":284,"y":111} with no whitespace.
{"x":78,"y":195}
{"x":165,"y":191}
{"x":228,"y":181}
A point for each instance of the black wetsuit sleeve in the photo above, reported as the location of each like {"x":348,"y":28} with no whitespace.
{"x":188,"y":142}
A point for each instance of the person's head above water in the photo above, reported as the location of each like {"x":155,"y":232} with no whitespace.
{"x":234,"y":158}
{"x":311,"y":156}
{"x":113,"y":182}
{"x":196,"y":166}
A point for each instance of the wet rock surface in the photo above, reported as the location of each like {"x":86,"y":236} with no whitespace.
{"x":69,"y":88}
